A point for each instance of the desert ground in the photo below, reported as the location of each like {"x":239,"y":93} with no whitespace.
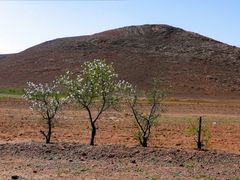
{"x":117,"y":155}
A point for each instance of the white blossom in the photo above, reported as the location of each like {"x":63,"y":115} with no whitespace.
{"x":44,"y":98}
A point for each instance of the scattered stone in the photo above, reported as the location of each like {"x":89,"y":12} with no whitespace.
{"x":133,"y":161}
{"x":111,"y":155}
{"x":48,"y":151}
{"x":15,"y":177}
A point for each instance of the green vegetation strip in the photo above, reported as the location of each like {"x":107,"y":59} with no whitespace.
{"x":10,"y":92}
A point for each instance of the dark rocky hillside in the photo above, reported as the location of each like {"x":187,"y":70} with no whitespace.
{"x":196,"y":66}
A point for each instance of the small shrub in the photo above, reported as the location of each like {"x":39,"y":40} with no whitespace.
{"x":200,"y":131}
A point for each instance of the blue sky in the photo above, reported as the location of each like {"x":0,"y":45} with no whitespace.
{"x":26,"y":23}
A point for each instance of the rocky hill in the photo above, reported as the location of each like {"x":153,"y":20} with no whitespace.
{"x":195,"y":66}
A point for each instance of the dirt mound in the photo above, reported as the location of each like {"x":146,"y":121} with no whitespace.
{"x":117,"y":161}
{"x":102,"y":152}
{"x":196,"y":66}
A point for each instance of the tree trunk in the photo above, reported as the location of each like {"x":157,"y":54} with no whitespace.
{"x":49,"y":134}
{"x":93,"y":133}
{"x":199,"y":141}
{"x":144,"y":141}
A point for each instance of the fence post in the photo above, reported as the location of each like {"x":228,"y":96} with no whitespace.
{"x":199,"y":143}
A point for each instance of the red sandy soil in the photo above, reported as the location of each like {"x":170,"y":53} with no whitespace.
{"x":117,"y":155}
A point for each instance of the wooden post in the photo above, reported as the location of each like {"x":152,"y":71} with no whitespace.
{"x":199,"y":143}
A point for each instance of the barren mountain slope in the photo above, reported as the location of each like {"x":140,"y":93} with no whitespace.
{"x":196,"y":66}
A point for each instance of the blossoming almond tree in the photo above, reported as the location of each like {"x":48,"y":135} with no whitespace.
{"x":45,"y":99}
{"x":96,"y":89}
